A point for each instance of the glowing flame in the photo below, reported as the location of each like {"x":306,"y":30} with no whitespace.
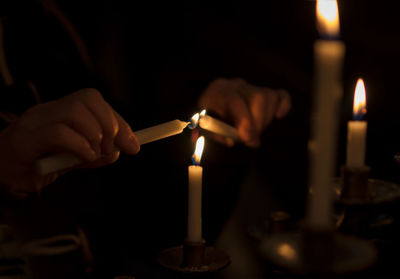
{"x":328,"y":17}
{"x":360,"y":103}
{"x":198,"y":151}
{"x":287,"y":251}
{"x":195,"y":120}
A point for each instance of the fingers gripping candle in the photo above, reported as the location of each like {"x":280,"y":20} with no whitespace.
{"x":63,"y":161}
{"x":328,"y":61}
{"x":194,"y":222}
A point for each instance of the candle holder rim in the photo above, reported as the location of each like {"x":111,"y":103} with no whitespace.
{"x":172,"y":259}
{"x":382,"y":191}
{"x":364,"y":254}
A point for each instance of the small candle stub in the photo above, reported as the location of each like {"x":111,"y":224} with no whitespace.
{"x":357,"y":129}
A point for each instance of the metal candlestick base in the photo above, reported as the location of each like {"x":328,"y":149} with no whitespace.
{"x":193,"y":258}
{"x":376,"y":192}
{"x":329,"y":253}
{"x":365,"y":204}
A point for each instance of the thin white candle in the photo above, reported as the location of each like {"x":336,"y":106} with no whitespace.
{"x":194,"y":221}
{"x":328,"y":59}
{"x":59,"y":162}
{"x":219,"y":127}
{"x":357,"y":129}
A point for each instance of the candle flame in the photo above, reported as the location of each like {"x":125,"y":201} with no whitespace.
{"x":198,"y":151}
{"x":194,"y":121}
{"x":195,"y":118}
{"x":287,"y":251}
{"x":360,"y":103}
{"x":328,"y":17}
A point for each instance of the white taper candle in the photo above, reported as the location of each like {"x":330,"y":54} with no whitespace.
{"x":59,"y":162}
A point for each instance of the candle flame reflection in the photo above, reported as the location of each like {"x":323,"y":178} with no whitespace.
{"x":328,"y":17}
{"x":287,"y":251}
{"x":360,"y":103}
{"x":198,"y":151}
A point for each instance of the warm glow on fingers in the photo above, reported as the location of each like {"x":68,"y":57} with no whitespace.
{"x":328,"y":17}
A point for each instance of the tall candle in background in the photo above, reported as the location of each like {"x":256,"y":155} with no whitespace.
{"x":357,"y":129}
{"x":328,"y":61}
{"x":194,"y":224}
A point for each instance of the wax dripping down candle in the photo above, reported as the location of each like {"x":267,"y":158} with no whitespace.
{"x":194,"y":224}
{"x":328,"y":62}
{"x":357,"y":129}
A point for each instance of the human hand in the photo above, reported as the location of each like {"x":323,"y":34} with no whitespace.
{"x":82,"y":123}
{"x":250,"y":108}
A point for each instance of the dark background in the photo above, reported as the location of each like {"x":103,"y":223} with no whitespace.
{"x":151,"y":60}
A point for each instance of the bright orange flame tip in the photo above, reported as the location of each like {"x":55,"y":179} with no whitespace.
{"x":360,"y":102}
{"x":198,"y":150}
{"x":328,"y":17}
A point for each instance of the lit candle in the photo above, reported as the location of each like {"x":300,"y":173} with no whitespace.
{"x":328,"y":59}
{"x":59,"y":162}
{"x":219,"y":127}
{"x":357,"y":129}
{"x":194,"y":230}
{"x":160,"y":131}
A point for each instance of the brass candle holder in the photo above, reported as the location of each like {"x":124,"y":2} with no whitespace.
{"x":321,"y":252}
{"x":314,"y":252}
{"x":193,"y":258}
{"x":362,"y":200}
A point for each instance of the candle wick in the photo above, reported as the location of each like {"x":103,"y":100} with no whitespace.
{"x":192,"y":124}
{"x":330,"y":38}
{"x":358,"y":116}
{"x":194,"y":161}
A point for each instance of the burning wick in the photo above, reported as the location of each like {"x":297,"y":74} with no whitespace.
{"x":194,"y":121}
{"x":214,"y":125}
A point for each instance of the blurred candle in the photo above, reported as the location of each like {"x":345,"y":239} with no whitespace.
{"x":328,"y":61}
{"x":216,"y":126}
{"x":194,"y":229}
{"x":357,"y":129}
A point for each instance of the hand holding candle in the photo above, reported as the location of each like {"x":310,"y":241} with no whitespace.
{"x":357,"y":129}
{"x":194,"y":222}
{"x":250,"y":109}
{"x":62,"y":161}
